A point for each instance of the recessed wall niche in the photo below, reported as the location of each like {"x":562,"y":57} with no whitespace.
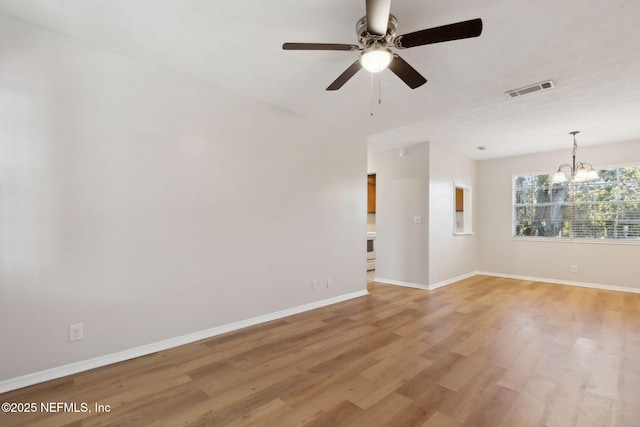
{"x":462,"y":219}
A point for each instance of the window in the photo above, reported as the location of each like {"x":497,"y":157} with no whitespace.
{"x":608,"y":208}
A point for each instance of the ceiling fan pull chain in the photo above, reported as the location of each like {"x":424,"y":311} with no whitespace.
{"x":379,"y":90}
{"x":371,"y":95}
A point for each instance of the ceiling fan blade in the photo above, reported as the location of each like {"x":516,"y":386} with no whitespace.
{"x":378,"y":16}
{"x":406,"y":72}
{"x":319,"y":46}
{"x":460,"y":30}
{"x":345,"y":76}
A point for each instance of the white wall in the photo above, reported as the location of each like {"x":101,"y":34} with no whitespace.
{"x":614,"y":265}
{"x":149,"y":205}
{"x":402,"y":192}
{"x":450,"y":255}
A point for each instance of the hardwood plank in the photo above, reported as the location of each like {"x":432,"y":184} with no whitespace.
{"x":596,"y":411}
{"x":523,"y":368}
{"x":526,"y":411}
{"x":440,"y":420}
{"x":336,"y":416}
{"x":426,"y":393}
{"x":386,"y":411}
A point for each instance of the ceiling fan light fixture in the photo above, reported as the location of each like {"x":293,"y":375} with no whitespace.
{"x":376,"y":59}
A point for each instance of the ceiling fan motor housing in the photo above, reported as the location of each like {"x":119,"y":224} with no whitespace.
{"x":366,"y":39}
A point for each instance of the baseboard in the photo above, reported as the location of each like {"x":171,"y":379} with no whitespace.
{"x":85,"y":365}
{"x":509,"y":276}
{"x":429,"y":287}
{"x":399,"y":283}
{"x":446,"y":282}
{"x":563,"y":282}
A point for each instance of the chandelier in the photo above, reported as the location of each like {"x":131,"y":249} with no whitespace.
{"x":578,"y":172}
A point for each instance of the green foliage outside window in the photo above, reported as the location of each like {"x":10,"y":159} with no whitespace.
{"x":608,"y":208}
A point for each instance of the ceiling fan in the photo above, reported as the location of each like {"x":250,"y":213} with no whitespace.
{"x":377,"y":34}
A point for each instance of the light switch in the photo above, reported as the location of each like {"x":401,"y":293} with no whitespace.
{"x":417,"y":219}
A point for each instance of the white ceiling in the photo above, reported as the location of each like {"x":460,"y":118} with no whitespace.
{"x":589,"y":48}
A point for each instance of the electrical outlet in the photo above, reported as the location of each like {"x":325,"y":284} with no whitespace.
{"x":329,"y":282}
{"x":574,"y":268}
{"x":75,"y":332}
{"x":314,"y":285}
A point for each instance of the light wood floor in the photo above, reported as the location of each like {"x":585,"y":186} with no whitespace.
{"x":480,"y":352}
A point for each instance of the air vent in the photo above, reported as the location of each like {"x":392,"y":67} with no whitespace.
{"x":530,"y":89}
